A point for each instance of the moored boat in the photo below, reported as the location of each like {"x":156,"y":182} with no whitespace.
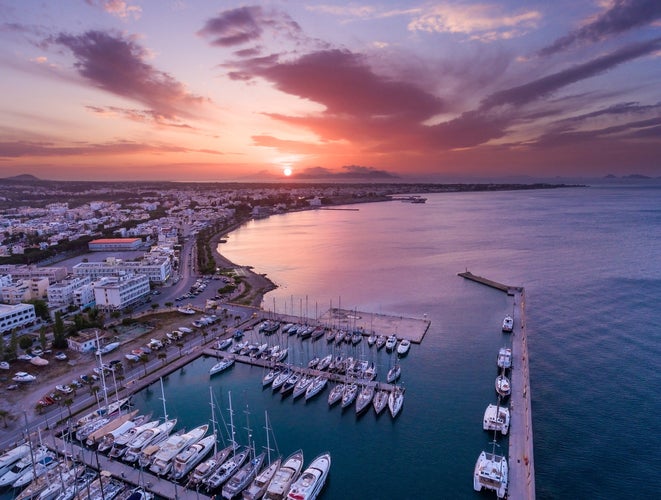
{"x":243,"y":477}
{"x":496,"y":418}
{"x":226,"y":469}
{"x":122,"y":443}
{"x":312,"y":480}
{"x":391,"y":342}
{"x":10,"y":457}
{"x":364,"y":398}
{"x":191,"y":456}
{"x":208,"y":467}
{"x":349,"y":394}
{"x":284,"y":477}
{"x":380,"y":401}
{"x":394,"y":373}
{"x":491,"y":472}
{"x":257,"y":488}
{"x":222,"y":365}
{"x":503,"y":387}
{"x":504,"y":358}
{"x":335,"y":394}
{"x":163,"y":459}
{"x":396,"y":400}
{"x":403,"y":347}
{"x":315,"y":387}
{"x":508,"y":324}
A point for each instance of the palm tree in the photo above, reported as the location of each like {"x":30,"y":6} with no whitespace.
{"x":143,"y":360}
{"x":68,"y":402}
{"x":94,"y":389}
{"x":180,"y":345}
{"x":162,"y":356}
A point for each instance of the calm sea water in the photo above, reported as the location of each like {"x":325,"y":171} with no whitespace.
{"x":590,"y":261}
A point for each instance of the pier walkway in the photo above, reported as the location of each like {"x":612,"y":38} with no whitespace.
{"x":126,"y":473}
{"x":520,"y":455}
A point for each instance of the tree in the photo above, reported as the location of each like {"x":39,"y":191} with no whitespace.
{"x":59,"y":335}
{"x":25,"y":342}
{"x":180,"y":346}
{"x":13,"y":345}
{"x":163,"y":357}
{"x":43,"y":341}
{"x":4,"y":415}
{"x":154,"y":306}
{"x":94,"y":389}
{"x":168,"y":304}
{"x":68,"y":402}
{"x":143,"y":360}
{"x":40,"y":308}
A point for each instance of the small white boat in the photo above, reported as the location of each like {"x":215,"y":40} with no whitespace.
{"x":148,"y":443}
{"x":503,"y":387}
{"x":208,"y":467}
{"x":189,"y":311}
{"x":284,"y":477}
{"x":380,"y":401}
{"x":226,"y":470}
{"x":281,"y":378}
{"x":504,"y":358}
{"x":496,"y":418}
{"x":391,"y":343}
{"x":324,"y":362}
{"x":222,"y":365}
{"x":23,"y":377}
{"x":40,"y":468}
{"x":364,"y":398}
{"x":122,"y":443}
{"x":403,"y":347}
{"x":271,"y":375}
{"x":508,"y":324}
{"x":396,"y":401}
{"x":309,"y":484}
{"x":4,"y":365}
{"x":371,"y":340}
{"x":64,"y":389}
{"x":315,"y":387}
{"x":394,"y":373}
{"x":335,"y":394}
{"x":221,"y":345}
{"x":302,"y":385}
{"x":349,"y":394}
{"x":491,"y":473}
{"x":22,"y":466}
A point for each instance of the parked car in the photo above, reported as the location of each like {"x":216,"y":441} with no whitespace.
{"x":60,"y":356}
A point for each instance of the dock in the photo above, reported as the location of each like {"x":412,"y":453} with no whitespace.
{"x":521,"y":463}
{"x":402,"y":327}
{"x":126,"y":473}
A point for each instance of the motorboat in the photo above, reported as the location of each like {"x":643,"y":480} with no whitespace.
{"x":188,"y":311}
{"x":108,"y":440}
{"x":364,"y":398}
{"x":208,"y":467}
{"x":496,"y":418}
{"x":10,"y":457}
{"x":503,"y":387}
{"x":504,"y":358}
{"x":285,"y":476}
{"x":41,"y":467}
{"x":380,"y":341}
{"x":243,"y":477}
{"x":112,"y":408}
{"x":191,"y":456}
{"x":257,"y":488}
{"x":163,"y":459}
{"x":394,"y":373}
{"x":23,"y":377}
{"x":391,"y":343}
{"x":64,"y":389}
{"x":403,"y":347}
{"x":94,"y":437}
{"x":315,"y":387}
{"x":396,"y":401}
{"x":122,"y":443}
{"x":380,"y":401}
{"x":371,"y":340}
{"x":224,"y":344}
{"x":227,"y":469}
{"x":144,"y":446}
{"x":349,"y":394}
{"x":335,"y":394}
{"x":22,"y":466}
{"x":312,"y":480}
{"x":138,"y":493}
{"x":4,"y":365}
{"x":508,"y":324}
{"x":491,"y":473}
{"x":222,"y":365}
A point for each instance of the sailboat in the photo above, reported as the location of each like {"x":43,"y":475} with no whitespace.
{"x":285,"y":476}
{"x":491,"y":472}
{"x":257,"y":488}
{"x":396,"y":400}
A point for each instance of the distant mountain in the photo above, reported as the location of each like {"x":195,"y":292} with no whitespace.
{"x":22,"y":177}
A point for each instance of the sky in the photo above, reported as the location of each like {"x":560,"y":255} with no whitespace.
{"x":203,"y":90}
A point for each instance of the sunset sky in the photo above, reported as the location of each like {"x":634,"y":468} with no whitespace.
{"x":392,"y":90}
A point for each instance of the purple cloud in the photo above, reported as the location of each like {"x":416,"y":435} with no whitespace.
{"x":622,"y":16}
{"x":117,"y":65}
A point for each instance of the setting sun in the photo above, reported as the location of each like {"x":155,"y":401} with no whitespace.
{"x":287,"y":171}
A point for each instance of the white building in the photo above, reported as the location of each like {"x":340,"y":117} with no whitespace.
{"x":83,"y":297}
{"x":62,"y":293}
{"x":16,"y":316}
{"x":24,"y":290}
{"x":157,"y":268}
{"x":113,"y":293}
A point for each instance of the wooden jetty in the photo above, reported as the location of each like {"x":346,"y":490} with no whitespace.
{"x":521,"y":484}
{"x":413,"y":329}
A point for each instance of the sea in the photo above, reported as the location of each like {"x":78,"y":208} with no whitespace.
{"x":590,"y":261}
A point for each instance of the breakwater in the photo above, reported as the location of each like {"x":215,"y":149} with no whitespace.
{"x":520,"y":453}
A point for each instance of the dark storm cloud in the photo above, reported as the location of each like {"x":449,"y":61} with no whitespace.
{"x":546,"y":85}
{"x":622,"y":16}
{"x":117,"y":65}
{"x":246,"y":24}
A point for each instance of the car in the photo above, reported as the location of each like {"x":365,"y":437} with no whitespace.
{"x":60,"y":356}
{"x":12,"y":387}
{"x":37,"y":351}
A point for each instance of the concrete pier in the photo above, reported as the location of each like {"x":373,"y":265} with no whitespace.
{"x":520,"y":455}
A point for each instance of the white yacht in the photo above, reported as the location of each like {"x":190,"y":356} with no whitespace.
{"x":120,"y":443}
{"x":496,"y":418}
{"x":191,"y":456}
{"x":315,"y":387}
{"x":243,"y":477}
{"x":208,"y":467}
{"x":391,"y":342}
{"x":364,"y":398}
{"x":284,"y":477}
{"x":163,"y":458}
{"x":222,"y":365}
{"x":394,"y":373}
{"x":491,"y":473}
{"x":226,"y":470}
{"x":10,"y":457}
{"x":508,"y":324}
{"x":403,"y":347}
{"x":504,"y":358}
{"x":395,"y":400}
{"x":503,"y":387}
{"x":257,"y":488}
{"x":380,"y":401}
{"x":310,"y":483}
{"x":22,"y":466}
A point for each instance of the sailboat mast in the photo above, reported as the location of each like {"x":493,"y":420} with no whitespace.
{"x":165,"y":411}
{"x":213,"y":422}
